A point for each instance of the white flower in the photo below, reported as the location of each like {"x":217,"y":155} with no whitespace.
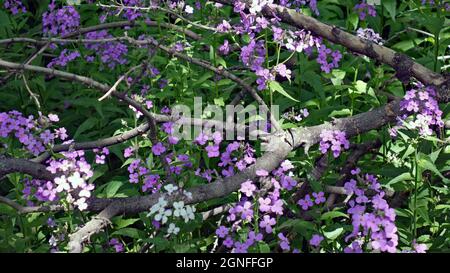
{"x":65,"y":165}
{"x":69,"y":199}
{"x":170,"y":188}
{"x":189,"y":213}
{"x":81,"y":204}
{"x":257,"y":5}
{"x":173,"y":229}
{"x":163,"y":215}
{"x":179,"y":209}
{"x":189,"y":9}
{"x":62,"y":184}
{"x":52,"y":241}
{"x":162,"y":203}
{"x":76,"y":180}
{"x":85,"y":193}
{"x":287,"y":165}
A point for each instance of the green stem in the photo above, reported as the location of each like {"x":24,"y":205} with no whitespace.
{"x":416,"y":180}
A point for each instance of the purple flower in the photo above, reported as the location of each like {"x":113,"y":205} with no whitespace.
{"x":223,"y":27}
{"x":60,"y":21}
{"x":319,"y":197}
{"x":213,"y":150}
{"x":158,"y":148}
{"x":217,"y":138}
{"x":247,"y":188}
{"x":222,"y":232}
{"x":282,"y":70}
{"x":62,"y":60}
{"x":315,"y":240}
{"x":336,"y":140}
{"x":277,"y":207}
{"x":201,"y":139}
{"x":224,"y":49}
{"x":128,"y":152}
{"x":178,"y":47}
{"x":14,"y":6}
{"x":118,"y":247}
{"x":369,"y":34}
{"x":111,"y":53}
{"x":264,"y":204}
{"x":306,"y":202}
{"x":267,"y":223}
{"x":322,"y":58}
{"x":363,"y":9}
{"x":228,"y":242}
{"x":46,"y":136}
{"x":284,"y":242}
{"x":53,"y":117}
{"x":419,"y":248}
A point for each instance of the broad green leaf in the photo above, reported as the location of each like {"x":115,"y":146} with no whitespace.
{"x":329,"y":215}
{"x":86,"y":125}
{"x":391,"y":7}
{"x":112,"y":188}
{"x":129,"y":232}
{"x":275,"y":86}
{"x":332,"y":235}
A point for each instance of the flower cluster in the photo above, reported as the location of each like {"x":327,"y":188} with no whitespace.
{"x":257,"y":5}
{"x":284,"y":242}
{"x":269,"y":204}
{"x":224,"y":49}
{"x":373,"y":220}
{"x":118,"y":246}
{"x":73,"y":182}
{"x":132,"y":14}
{"x":60,"y":21}
{"x":139,"y":172}
{"x":253,"y":56}
{"x":322,"y":58}
{"x":111,"y":53}
{"x":14,"y":6}
{"x":365,"y":9}
{"x":298,"y":41}
{"x":161,"y":213}
{"x":30,"y":133}
{"x":306,"y":202}
{"x":422,"y":104}
{"x":369,"y":34}
{"x":296,"y":116}
{"x":58,"y":234}
{"x":237,"y":155}
{"x":100,"y":155}
{"x":64,"y":58}
{"x":336,"y":140}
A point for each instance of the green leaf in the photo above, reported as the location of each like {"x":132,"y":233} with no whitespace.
{"x":129,"y":232}
{"x":273,"y":85}
{"x":303,"y":227}
{"x":332,"y":235}
{"x":426,"y":163}
{"x":400,"y":178}
{"x":329,"y":215}
{"x":391,"y":7}
{"x":122,"y":223}
{"x":263,"y":247}
{"x":86,"y":125}
{"x":112,"y":188}
{"x":4,"y":19}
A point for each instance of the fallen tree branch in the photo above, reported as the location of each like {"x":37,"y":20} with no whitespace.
{"x":24,"y":210}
